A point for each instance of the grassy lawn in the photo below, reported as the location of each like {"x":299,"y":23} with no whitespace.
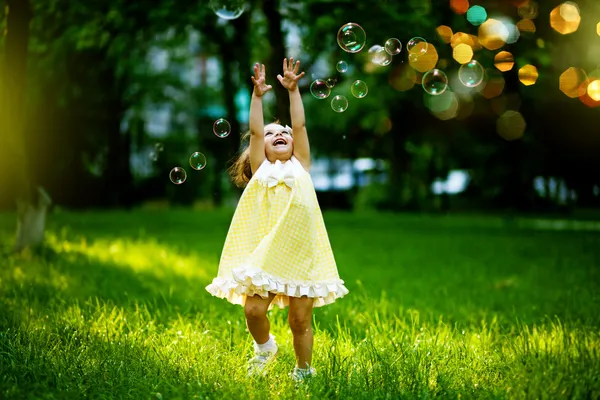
{"x":469,"y":307}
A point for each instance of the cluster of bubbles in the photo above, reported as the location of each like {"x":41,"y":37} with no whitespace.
{"x":197,"y":160}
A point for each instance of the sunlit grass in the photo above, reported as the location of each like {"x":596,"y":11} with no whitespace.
{"x":115,"y":306}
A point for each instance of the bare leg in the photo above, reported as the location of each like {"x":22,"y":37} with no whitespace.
{"x":300,"y":319}
{"x":258,"y":324}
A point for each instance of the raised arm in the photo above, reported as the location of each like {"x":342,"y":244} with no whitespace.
{"x":289,"y":80}
{"x":257,"y":122}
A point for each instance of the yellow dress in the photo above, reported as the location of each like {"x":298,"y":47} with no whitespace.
{"x":277,"y":242}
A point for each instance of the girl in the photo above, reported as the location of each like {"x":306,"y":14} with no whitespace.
{"x":277,"y":250}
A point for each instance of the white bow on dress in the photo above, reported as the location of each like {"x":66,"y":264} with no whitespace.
{"x":281,"y":173}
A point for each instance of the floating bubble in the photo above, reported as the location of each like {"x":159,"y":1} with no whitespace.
{"x":359,"y":89}
{"x":435,"y":82}
{"x":378,"y":55}
{"x":331,"y":82}
{"x":319,"y":89}
{"x":197,"y":161}
{"x":393,"y":46}
{"x":351,"y":37}
{"x":339,"y":103}
{"x":153,"y":156}
{"x":222,"y":128}
{"x":177,"y":175}
{"x":417,"y":46}
{"x":159,"y":147}
{"x":471,"y":74}
{"x":342,"y":66}
{"x":227,"y":9}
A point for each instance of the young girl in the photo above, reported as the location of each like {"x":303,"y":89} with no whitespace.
{"x":277,"y":250}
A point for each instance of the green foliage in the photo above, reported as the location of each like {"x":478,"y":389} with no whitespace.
{"x":438,"y":306}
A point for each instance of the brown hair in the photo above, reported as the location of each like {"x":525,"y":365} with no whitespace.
{"x":241,"y":170}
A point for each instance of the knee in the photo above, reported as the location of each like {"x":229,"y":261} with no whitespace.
{"x":254,"y":312}
{"x":299,"y":323}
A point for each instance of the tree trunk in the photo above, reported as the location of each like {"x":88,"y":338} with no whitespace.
{"x":274,"y":63}
{"x":31,"y":212}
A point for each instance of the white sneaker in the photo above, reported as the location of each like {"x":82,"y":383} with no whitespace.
{"x":303,"y":374}
{"x":258,"y":363}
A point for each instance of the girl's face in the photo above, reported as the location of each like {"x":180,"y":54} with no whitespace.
{"x":279,"y":144}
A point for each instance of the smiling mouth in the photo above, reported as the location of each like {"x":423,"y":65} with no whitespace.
{"x":279,"y":142}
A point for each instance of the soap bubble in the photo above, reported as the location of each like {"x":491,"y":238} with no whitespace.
{"x":359,"y":89}
{"x":339,"y":103}
{"x":378,"y":55}
{"x":159,"y":147}
{"x":331,"y":82}
{"x":435,"y":82}
{"x":221,"y":128}
{"x":227,"y":9}
{"x":351,"y":37}
{"x":417,"y":46}
{"x":177,"y":175}
{"x":342,"y":66}
{"x":393,"y":46}
{"x":153,"y":156}
{"x":319,"y":89}
{"x":471,"y":74}
{"x":197,"y":161}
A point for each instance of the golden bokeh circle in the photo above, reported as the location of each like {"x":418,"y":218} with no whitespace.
{"x":528,"y":75}
{"x":463,"y":53}
{"x":444,"y":32}
{"x":598,"y":28}
{"x":426,"y":61}
{"x":526,"y":26}
{"x":403,"y":78}
{"x":494,"y":84}
{"x":593,"y":89}
{"x":570,"y":81}
{"x":493,"y":34}
{"x":504,"y":61}
{"x":565,"y":18}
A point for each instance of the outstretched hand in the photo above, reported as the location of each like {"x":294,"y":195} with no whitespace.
{"x":259,"y":81}
{"x":290,"y":77}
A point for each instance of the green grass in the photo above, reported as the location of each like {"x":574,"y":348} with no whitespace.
{"x":452,"y":307}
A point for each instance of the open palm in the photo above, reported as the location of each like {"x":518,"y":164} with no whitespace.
{"x":259,"y":81}
{"x":290,"y":77}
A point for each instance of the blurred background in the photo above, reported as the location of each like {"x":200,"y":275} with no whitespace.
{"x":102,"y":99}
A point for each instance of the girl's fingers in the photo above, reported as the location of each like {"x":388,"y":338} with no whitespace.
{"x":299,"y":76}
{"x":263,"y":69}
{"x":280,"y":78}
{"x":297,"y":67}
{"x":285,"y":66}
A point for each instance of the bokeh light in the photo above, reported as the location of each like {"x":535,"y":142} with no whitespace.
{"x":511,"y":125}
{"x":339,"y":103}
{"x":528,"y":75}
{"x":504,"y":61}
{"x":529,"y":10}
{"x":178,"y":175}
{"x":319,"y":89}
{"x":222,"y":128}
{"x":526,"y":27}
{"x":427,"y":60}
{"x":351,"y":37}
{"x":494,"y":86}
{"x":565,"y":18}
{"x":459,"y":6}
{"x":493,"y":34}
{"x":435,"y":82}
{"x":444,"y":32}
{"x":598,"y":28}
{"x":403,"y":78}
{"x":463,"y":53}
{"x":508,"y":101}
{"x":593,"y":90}
{"x":586,"y":97}
{"x":476,"y":15}
{"x":444,"y":107}
{"x":570,"y":81}
{"x":227,"y":9}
